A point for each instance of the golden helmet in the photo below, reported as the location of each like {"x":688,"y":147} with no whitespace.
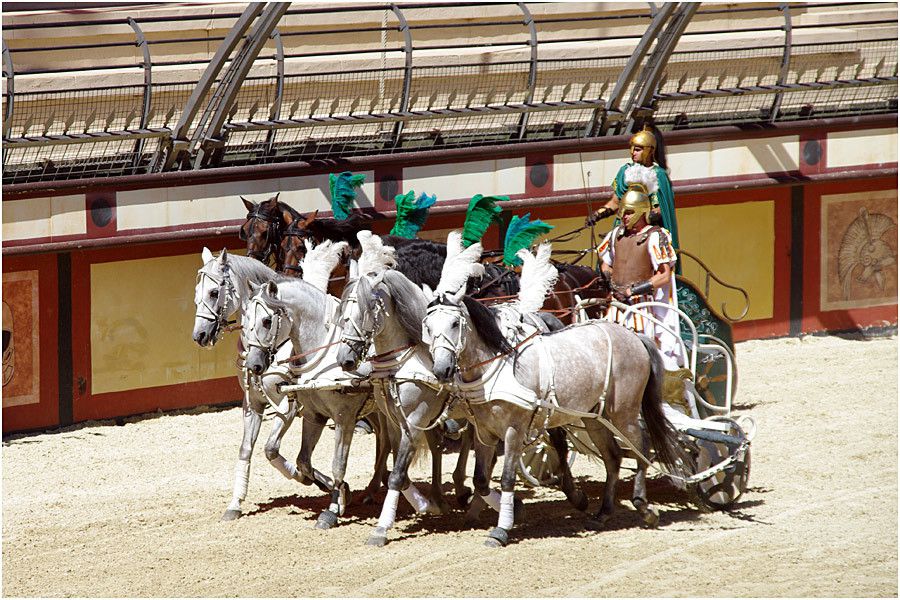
{"x":636,"y":200}
{"x":646,"y":140}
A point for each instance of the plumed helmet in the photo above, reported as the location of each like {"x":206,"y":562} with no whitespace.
{"x":646,"y":140}
{"x":641,"y":182}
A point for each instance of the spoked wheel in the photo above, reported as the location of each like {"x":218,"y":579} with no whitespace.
{"x":712,"y":380}
{"x":539,"y":463}
{"x":723,"y":488}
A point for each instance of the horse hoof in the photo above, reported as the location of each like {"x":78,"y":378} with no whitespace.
{"x":231,"y":515}
{"x":579,"y":500}
{"x":651,"y":518}
{"x":518,"y":511}
{"x":497,"y":538}
{"x":378,"y":538}
{"x":326,"y":520}
{"x":464,"y":499}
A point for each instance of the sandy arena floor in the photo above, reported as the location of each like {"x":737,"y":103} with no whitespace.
{"x":133,"y":510}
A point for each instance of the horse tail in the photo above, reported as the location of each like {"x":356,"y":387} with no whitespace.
{"x":663,"y":437}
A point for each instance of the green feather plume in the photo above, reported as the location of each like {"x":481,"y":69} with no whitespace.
{"x":343,"y":192}
{"x":411,"y":213}
{"x":482,"y":211}
{"x":520,"y":234}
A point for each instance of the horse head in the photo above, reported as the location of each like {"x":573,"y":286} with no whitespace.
{"x":266,"y":327}
{"x":445,"y":330}
{"x":215,"y":298}
{"x":263,"y":228}
{"x":292,"y":247}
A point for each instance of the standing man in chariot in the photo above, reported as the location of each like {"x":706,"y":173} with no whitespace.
{"x":639,"y":260}
{"x":646,"y":151}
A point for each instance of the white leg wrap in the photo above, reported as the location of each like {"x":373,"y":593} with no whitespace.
{"x":289,"y":470}
{"x":389,"y":509}
{"x":493,"y":500}
{"x":506,"y":511}
{"x":241,"y":479}
{"x":416,"y":499}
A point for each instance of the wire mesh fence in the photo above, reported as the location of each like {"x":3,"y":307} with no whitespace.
{"x":348,"y":96}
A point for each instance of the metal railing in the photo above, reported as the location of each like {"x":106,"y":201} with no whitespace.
{"x":416,"y":89}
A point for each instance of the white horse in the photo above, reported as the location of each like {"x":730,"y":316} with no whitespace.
{"x":291,"y":321}
{"x":579,"y":374}
{"x":381,"y":313}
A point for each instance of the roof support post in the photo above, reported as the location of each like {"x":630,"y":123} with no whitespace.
{"x":275,"y":113}
{"x":141,"y":43}
{"x":173,"y":148}
{"x":631,"y":69}
{"x":656,"y":64}
{"x":10,"y":75}
{"x":532,"y":69}
{"x":210,"y":138}
{"x":407,"y":74}
{"x":785,"y":63}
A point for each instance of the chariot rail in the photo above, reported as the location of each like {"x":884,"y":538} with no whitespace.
{"x":382,"y":79}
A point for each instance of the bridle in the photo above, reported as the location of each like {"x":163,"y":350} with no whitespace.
{"x":442,"y":340}
{"x":273,"y":231}
{"x":296,"y":232}
{"x":362,"y":337}
{"x":217,"y":315}
{"x":268,"y":344}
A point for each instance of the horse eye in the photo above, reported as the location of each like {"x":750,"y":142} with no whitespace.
{"x":267,"y":322}
{"x":214,"y":293}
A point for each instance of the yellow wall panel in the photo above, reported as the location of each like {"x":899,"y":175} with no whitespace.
{"x":142,"y":316}
{"x":736,"y":241}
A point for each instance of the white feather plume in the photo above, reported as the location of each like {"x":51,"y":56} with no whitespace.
{"x":320,"y":261}
{"x":460,"y":264}
{"x":538,"y":278}
{"x":643,"y":175}
{"x":375,"y":257}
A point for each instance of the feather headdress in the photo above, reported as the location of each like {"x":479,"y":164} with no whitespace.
{"x":320,"y":261}
{"x":482,"y":211}
{"x":538,"y":278}
{"x":644,"y":176}
{"x":460,"y":264}
{"x":375,"y":257}
{"x":343,"y":192}
{"x":520,"y":234}
{"x":411,"y":213}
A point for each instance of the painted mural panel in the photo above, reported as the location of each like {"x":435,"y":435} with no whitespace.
{"x":21,"y":336}
{"x":736,"y":241}
{"x":859,"y":250}
{"x":142,"y":315}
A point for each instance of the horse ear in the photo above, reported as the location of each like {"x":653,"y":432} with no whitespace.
{"x":249,"y":205}
{"x":253,"y":287}
{"x":288,"y":216}
{"x":275,"y":197}
{"x":206,"y":255}
{"x":223,"y":258}
{"x":272,"y":289}
{"x":354,"y":270}
{"x":310,"y":218}
{"x":429,"y":293}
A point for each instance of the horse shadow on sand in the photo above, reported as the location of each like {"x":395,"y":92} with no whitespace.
{"x":545,"y":517}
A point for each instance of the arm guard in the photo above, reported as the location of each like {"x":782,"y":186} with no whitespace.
{"x":644,"y":287}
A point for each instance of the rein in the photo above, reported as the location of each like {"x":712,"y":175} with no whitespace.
{"x":307,"y":353}
{"x":502,"y":354}
{"x":551,"y":293}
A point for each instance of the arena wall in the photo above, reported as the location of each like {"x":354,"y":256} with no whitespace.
{"x":100,"y":280}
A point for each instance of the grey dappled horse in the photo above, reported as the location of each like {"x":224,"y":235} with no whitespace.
{"x":292,"y":318}
{"x":598,"y":359}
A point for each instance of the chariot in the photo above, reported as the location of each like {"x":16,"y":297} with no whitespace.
{"x":702,"y":415}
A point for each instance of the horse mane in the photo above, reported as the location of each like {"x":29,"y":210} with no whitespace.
{"x":245,"y":269}
{"x":344,"y":231}
{"x":409,"y":303}
{"x":484,"y":321}
{"x":292,"y":283}
{"x":420,"y":261}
